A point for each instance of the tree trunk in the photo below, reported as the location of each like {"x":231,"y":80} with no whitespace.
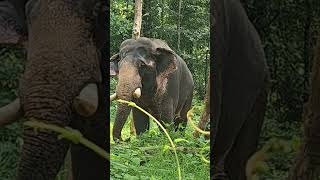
{"x":179,"y":24}
{"x":205,"y":115}
{"x":307,"y":163}
{"x":306,"y":45}
{"x":137,"y":19}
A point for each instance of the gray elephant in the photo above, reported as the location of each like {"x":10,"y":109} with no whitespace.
{"x":64,"y":82}
{"x":239,"y":92}
{"x":152,"y":75}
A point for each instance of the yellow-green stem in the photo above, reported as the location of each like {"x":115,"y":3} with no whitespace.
{"x":189,"y":117}
{"x":68,"y":133}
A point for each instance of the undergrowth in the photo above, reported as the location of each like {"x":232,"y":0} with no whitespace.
{"x":149,"y":156}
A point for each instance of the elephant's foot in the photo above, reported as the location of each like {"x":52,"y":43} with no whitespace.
{"x":219,"y":173}
{"x":219,"y":176}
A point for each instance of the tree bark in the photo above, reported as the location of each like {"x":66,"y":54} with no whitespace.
{"x":179,"y":24}
{"x":306,"y":45}
{"x":307,"y":163}
{"x":205,"y":115}
{"x":137,"y":19}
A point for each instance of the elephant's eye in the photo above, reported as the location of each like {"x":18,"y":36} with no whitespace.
{"x":142,"y":64}
{"x":123,"y":54}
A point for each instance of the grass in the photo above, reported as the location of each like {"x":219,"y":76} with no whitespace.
{"x":148,"y":156}
{"x":10,"y":142}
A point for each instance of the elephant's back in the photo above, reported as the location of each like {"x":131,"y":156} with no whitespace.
{"x":186,"y":75}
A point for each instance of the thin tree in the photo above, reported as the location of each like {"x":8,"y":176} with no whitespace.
{"x":179,"y":24}
{"x":306,"y":43}
{"x":137,"y":19}
{"x":135,"y":35}
{"x":205,"y":115}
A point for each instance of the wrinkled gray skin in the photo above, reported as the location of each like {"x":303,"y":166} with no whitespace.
{"x":239,"y":91}
{"x":62,"y":58}
{"x":166,"y":82}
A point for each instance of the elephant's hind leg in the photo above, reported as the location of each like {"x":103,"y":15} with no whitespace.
{"x":181,"y":122}
{"x":140,"y":120}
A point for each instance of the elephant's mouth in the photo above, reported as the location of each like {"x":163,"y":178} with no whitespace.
{"x":85,"y":104}
{"x":135,"y":94}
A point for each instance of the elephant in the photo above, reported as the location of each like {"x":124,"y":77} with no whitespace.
{"x":153,"y":76}
{"x":64,"y":82}
{"x":240,"y":88}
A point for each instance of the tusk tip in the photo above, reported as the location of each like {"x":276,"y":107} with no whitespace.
{"x":137,"y":93}
{"x":113,"y":97}
{"x":86,"y":104}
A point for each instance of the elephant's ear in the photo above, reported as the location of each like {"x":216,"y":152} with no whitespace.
{"x":12,"y":25}
{"x":114,"y":69}
{"x":166,"y":64}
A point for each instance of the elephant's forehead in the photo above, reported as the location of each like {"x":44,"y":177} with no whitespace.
{"x":142,"y":40}
{"x":139,"y":47}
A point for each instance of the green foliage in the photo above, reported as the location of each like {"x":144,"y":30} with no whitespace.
{"x":279,"y":161}
{"x":121,"y":20}
{"x":11,"y":60}
{"x":11,"y":67}
{"x":149,"y":155}
{"x":288,"y":30}
{"x":10,"y":142}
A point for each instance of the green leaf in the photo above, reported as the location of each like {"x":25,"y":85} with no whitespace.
{"x":180,"y":140}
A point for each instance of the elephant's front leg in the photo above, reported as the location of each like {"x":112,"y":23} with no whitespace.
{"x":164,"y":112}
{"x":141,"y":121}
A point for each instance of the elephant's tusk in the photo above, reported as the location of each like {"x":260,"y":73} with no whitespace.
{"x":113,"y":97}
{"x":10,"y":113}
{"x":137,"y":93}
{"x":86,"y":104}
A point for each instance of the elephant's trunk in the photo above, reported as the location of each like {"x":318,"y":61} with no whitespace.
{"x":128,"y":88}
{"x":45,"y":163}
{"x":123,"y":111}
{"x":42,"y":152}
{"x":122,"y":114}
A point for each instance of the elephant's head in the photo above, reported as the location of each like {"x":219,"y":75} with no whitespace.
{"x":143,"y":67}
{"x":63,"y":80}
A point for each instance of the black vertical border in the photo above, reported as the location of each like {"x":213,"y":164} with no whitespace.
{"x":105,"y":55}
